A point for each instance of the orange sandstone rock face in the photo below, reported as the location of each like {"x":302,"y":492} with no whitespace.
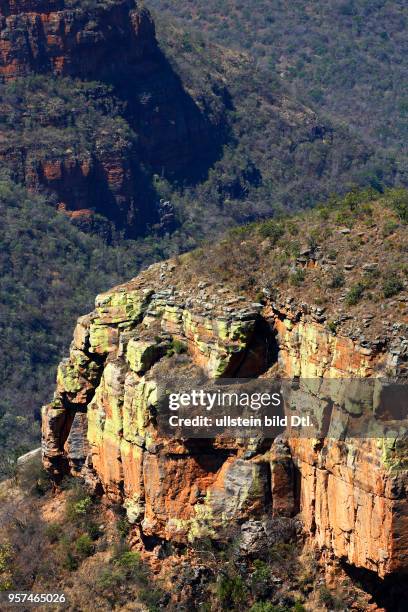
{"x":49,"y":36}
{"x":350,"y":495}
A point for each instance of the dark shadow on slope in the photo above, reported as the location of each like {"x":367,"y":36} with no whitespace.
{"x":176,"y":138}
{"x":389,"y":593}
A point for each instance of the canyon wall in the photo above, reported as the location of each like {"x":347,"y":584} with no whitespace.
{"x":83,"y":42}
{"x":158,"y":124}
{"x":350,"y":495}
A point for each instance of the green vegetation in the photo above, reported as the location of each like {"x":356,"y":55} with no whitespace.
{"x":271,"y":229}
{"x":392,"y":286}
{"x":231,"y":592}
{"x":346,"y":59}
{"x":330,"y":600}
{"x":6,"y":557}
{"x":340,"y":267}
{"x":332,"y":327}
{"x":73,"y":549}
{"x":125,"y":569}
{"x":355,"y":294}
{"x":277,"y":154}
{"x":337,"y":280}
{"x":50,"y":272}
{"x":84,"y":545}
{"x":298,"y":277}
{"x":398,"y":199}
{"x":176,"y":348}
{"x":46,"y":541}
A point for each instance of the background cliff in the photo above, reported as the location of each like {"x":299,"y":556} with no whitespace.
{"x":120,"y":123}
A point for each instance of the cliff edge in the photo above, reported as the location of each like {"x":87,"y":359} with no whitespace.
{"x":309,"y":297}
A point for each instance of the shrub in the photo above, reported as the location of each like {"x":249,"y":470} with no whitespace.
{"x":271,"y":229}
{"x":392,"y":286}
{"x":283,"y":553}
{"x":130,"y":561}
{"x":332,"y":254}
{"x":93,"y":531}
{"x":110,"y":578}
{"x":263,"y":606}
{"x":78,"y":508}
{"x":176,"y":348}
{"x":32,"y":478}
{"x":357,"y":197}
{"x":231,"y":591}
{"x":355,"y":294}
{"x":53,"y":532}
{"x":123,"y":527}
{"x":389,"y":228}
{"x":398,"y":200}
{"x":332,"y":326}
{"x":6,"y":557}
{"x":298,"y":277}
{"x":325,"y":596}
{"x":337,"y":280}
{"x":127,"y":566}
{"x":79,"y":502}
{"x":70,"y":562}
{"x":260,"y":579}
{"x":84,"y":546}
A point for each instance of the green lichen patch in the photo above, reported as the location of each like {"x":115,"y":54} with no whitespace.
{"x":394,"y":453}
{"x":121,"y":305}
{"x":103,"y":338}
{"x":141,"y":355}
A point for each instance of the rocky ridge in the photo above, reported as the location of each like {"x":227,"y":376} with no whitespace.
{"x":350,"y":495}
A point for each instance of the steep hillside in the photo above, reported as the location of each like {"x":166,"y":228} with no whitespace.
{"x":347,"y":59}
{"x":79,"y":545}
{"x":86,"y":143}
{"x":158,"y":135}
{"x":310,"y":526}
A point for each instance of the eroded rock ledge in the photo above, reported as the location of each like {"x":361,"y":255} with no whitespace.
{"x":351,"y":496}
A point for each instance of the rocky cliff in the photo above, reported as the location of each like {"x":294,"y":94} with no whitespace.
{"x":124,"y":129}
{"x":66,"y":39}
{"x":350,"y":495}
{"x":146,"y":118}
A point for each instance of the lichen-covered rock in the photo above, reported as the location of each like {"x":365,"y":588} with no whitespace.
{"x":351,"y":495}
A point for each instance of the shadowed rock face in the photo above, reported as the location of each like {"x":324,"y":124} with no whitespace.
{"x":351,"y":496}
{"x":113,"y":43}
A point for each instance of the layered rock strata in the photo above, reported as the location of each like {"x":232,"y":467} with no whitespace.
{"x":351,"y":495}
{"x":71,"y":40}
{"x":162,"y":128}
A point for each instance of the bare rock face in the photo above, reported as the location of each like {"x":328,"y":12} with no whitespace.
{"x":351,"y":495}
{"x":52,"y":36}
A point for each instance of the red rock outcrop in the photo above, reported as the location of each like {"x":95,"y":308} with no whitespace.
{"x":159,"y":125}
{"x":52,"y":36}
{"x":350,"y":494}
